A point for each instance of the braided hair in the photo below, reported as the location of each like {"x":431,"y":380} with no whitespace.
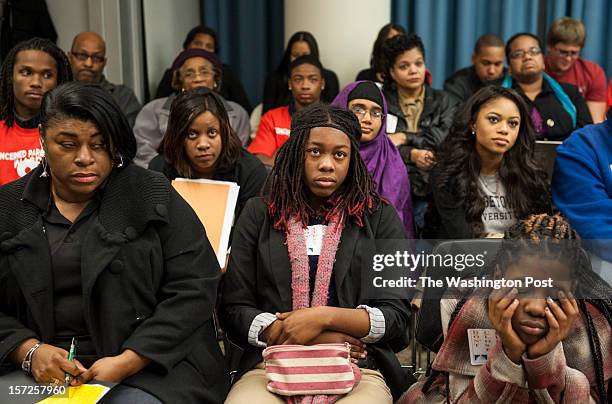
{"x":288,"y":194}
{"x":552,"y":236}
{"x":7,"y":97}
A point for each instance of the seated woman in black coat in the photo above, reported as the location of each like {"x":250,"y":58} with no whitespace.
{"x":419,"y":117}
{"x":97,"y":249}
{"x":276,"y":89}
{"x":486,"y":178}
{"x":200,"y":143}
{"x":299,"y":253}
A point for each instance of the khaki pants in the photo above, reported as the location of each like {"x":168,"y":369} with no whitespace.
{"x":251,"y":389}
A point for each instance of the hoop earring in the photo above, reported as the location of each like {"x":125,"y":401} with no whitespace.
{"x":44,"y":174}
{"x":120,"y":163}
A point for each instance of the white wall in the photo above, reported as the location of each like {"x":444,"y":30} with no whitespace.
{"x":69,"y":18}
{"x":166,"y":24}
{"x":345,"y":30}
{"x":117,"y":21}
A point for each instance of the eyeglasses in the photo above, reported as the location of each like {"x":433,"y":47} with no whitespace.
{"x":519,"y":54}
{"x":567,"y":54}
{"x":361,"y":111}
{"x":82,"y":56}
{"x":192,"y":74}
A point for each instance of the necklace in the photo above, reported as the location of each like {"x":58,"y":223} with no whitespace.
{"x":483,"y":182}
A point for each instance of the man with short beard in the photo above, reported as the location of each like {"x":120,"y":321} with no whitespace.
{"x":556,"y":108}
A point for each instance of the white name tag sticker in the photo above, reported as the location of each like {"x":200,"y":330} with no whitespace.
{"x":391,"y":123}
{"x":314,"y":239}
{"x":481,"y":341}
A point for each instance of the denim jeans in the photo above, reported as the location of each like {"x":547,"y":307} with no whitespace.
{"x":121,"y":394}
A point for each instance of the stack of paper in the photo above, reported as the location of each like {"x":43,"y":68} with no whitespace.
{"x":214,"y":203}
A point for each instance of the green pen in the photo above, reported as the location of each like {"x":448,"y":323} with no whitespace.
{"x":70,"y":358}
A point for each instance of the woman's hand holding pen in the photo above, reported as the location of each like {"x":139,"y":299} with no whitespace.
{"x":50,"y":364}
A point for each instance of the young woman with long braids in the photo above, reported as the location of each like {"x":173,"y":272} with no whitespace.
{"x":486,"y":177}
{"x":30,"y":69}
{"x":294,"y":274}
{"x":551,"y":346}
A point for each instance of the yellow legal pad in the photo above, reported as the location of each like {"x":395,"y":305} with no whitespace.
{"x":83,"y":394}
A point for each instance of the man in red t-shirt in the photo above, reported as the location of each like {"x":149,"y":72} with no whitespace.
{"x":564,"y":41}
{"x":30,"y":69}
{"x":305,"y":83}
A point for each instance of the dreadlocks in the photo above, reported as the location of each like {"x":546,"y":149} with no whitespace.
{"x":552,"y":236}
{"x":288,"y":195}
{"x":7,"y":98}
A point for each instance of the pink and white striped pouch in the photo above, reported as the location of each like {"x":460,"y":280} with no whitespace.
{"x":322,"y":369}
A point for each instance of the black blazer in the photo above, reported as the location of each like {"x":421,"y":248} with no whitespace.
{"x":258,"y":280}
{"x":149,"y":283}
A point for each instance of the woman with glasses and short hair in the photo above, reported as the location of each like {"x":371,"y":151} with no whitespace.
{"x":384,"y":163}
{"x":192,"y":68}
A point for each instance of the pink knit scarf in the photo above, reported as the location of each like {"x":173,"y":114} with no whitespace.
{"x":300,"y":281}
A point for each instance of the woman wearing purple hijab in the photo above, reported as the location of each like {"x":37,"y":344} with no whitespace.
{"x":382,"y":158}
